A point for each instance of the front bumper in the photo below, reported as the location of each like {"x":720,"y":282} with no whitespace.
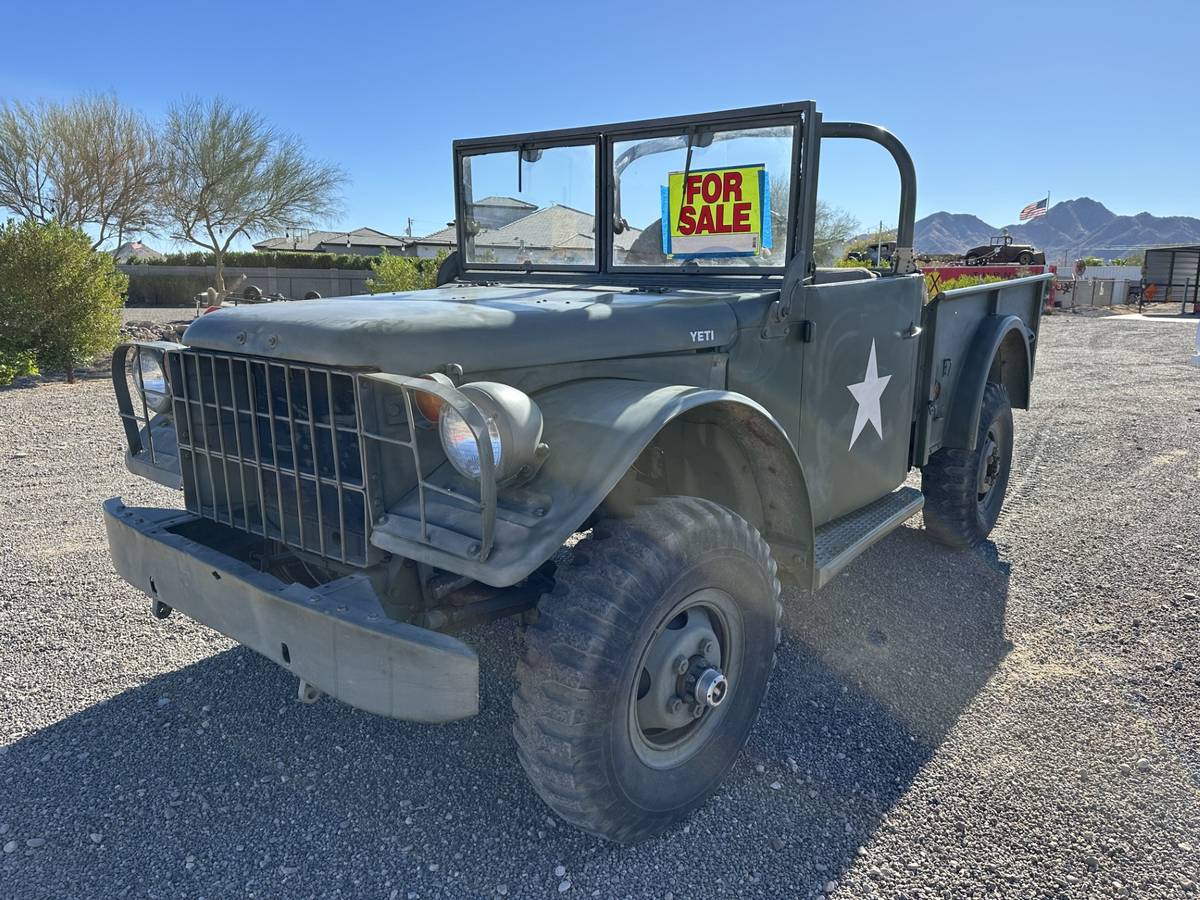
{"x":335,"y":637}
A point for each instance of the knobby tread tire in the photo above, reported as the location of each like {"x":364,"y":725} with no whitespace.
{"x":570,"y":678}
{"x":949,"y":481}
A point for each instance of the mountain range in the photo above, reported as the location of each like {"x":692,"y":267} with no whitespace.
{"x":1081,"y":227}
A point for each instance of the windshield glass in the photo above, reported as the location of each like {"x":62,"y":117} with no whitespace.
{"x":722,"y":203}
{"x":532,"y":206}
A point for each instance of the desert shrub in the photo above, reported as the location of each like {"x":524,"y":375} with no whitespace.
{"x":865,"y":242}
{"x":402,"y":273}
{"x":250,"y":259}
{"x":16,"y":365}
{"x":147,"y":288}
{"x":862,"y":264}
{"x":948,"y":284}
{"x":60,"y":301}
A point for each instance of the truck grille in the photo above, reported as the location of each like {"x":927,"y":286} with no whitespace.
{"x":276,"y":449}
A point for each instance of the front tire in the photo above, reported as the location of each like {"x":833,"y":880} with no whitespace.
{"x":646,"y":667}
{"x":964,"y":489}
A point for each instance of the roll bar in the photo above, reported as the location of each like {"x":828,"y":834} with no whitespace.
{"x":903,"y":263}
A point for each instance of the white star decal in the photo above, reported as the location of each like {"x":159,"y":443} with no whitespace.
{"x":867,"y":392}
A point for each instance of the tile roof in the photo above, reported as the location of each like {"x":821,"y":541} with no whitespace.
{"x":555,"y":227}
{"x":446,"y":235}
{"x":135,"y":250}
{"x":359,"y":237}
{"x":552,"y":227}
{"x":505,"y":201}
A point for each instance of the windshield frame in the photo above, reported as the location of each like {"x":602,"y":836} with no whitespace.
{"x":508,"y":145}
{"x":802,"y":116}
{"x":715,"y":125}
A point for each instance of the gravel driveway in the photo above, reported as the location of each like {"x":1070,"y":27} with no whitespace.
{"x":1019,"y":721}
{"x":160,"y":315}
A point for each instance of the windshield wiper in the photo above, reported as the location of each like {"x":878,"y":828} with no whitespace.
{"x":687,"y":170}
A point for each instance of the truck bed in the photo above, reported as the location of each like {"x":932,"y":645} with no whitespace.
{"x":963,"y":330}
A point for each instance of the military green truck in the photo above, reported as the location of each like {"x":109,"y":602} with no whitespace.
{"x":629,"y":408}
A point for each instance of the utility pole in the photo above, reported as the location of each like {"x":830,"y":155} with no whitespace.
{"x":408,"y":228}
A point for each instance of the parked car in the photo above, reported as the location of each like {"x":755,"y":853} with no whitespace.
{"x":1002,"y":251}
{"x":873,"y":253}
{"x":363,"y":478}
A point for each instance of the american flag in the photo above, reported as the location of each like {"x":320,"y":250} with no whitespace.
{"x":1035,"y":209}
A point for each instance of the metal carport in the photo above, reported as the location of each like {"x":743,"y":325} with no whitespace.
{"x":1175,"y":273}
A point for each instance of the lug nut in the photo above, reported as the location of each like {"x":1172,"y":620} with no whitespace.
{"x":681,"y":665}
{"x":696,"y":710}
{"x":707,"y":646}
{"x":674,"y":705}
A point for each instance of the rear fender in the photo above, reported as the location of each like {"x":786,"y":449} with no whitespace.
{"x":1000,"y":352}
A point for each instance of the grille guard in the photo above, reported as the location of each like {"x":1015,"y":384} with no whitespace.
{"x":154,"y":457}
{"x":159,"y":448}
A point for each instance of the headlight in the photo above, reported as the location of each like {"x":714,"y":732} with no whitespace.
{"x":459,"y":442}
{"x":514,"y":428}
{"x":152,"y":380}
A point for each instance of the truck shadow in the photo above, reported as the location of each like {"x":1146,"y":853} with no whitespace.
{"x":217,"y":767}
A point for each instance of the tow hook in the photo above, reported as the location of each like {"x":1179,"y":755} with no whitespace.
{"x":307,"y":693}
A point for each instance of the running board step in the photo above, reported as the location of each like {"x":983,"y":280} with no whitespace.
{"x":840,"y":541}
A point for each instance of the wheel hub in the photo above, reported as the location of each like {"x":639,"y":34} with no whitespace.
{"x":682,"y":682}
{"x":711,"y":688}
{"x":989,"y":466}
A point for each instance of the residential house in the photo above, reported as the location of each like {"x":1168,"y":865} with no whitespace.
{"x":359,"y":242}
{"x":553,"y":234}
{"x":134,"y":251}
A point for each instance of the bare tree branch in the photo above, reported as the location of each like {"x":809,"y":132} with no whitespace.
{"x":91,"y":162}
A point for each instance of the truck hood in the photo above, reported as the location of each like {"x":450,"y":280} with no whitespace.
{"x":479,"y":327}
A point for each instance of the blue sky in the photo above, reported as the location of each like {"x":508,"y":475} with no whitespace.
{"x":998,"y":102}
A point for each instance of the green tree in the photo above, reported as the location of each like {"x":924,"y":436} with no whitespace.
{"x":59,"y":300}
{"x":833,"y":226}
{"x":867,"y":241}
{"x":230,"y":175}
{"x":832,"y":229}
{"x":395,"y":274}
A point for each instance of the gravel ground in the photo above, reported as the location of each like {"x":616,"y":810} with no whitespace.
{"x":159,"y":315}
{"x":1018,"y":721}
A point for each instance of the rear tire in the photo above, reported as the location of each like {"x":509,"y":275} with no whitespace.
{"x":964,"y":489}
{"x":598,"y":728}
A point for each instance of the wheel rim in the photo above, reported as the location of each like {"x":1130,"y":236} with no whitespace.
{"x":989,"y":468}
{"x":686,"y":678}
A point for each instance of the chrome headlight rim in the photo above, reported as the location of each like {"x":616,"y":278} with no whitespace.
{"x":514,"y":426}
{"x":156,"y":399}
{"x":462,"y":450}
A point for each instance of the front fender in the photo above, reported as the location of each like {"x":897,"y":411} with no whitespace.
{"x":596,"y":429}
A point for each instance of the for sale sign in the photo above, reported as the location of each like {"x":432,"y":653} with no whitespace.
{"x":717,"y":212}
